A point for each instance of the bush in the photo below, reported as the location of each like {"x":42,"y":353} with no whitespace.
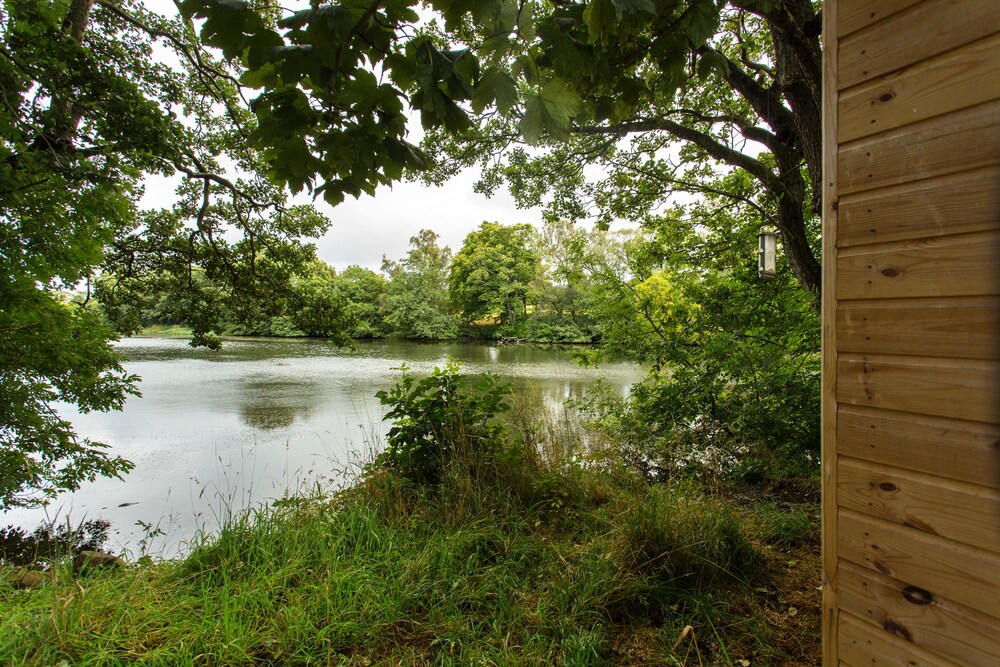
{"x":439,"y":419}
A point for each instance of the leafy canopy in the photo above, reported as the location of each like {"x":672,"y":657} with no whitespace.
{"x":494,"y":272}
{"x":87,"y":113}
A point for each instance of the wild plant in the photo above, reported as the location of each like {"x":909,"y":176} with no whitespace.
{"x":440,"y":419}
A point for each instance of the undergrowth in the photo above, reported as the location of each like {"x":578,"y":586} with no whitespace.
{"x":533,"y":556}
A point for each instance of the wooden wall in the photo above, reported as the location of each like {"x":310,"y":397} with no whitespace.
{"x":911,"y":405}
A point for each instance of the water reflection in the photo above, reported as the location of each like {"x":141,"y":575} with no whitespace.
{"x":215,"y":431}
{"x":267,"y":404}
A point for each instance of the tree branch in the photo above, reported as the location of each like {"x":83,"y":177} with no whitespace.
{"x":701,"y":139}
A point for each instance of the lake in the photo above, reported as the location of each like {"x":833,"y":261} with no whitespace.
{"x":220,"y":431}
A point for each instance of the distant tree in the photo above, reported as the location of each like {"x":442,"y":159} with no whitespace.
{"x":416,"y":299}
{"x":493,"y":274}
{"x":363,"y":293}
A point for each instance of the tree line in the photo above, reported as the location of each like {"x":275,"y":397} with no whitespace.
{"x":506,"y":282}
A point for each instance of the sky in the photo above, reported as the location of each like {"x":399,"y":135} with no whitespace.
{"x":364,"y":230}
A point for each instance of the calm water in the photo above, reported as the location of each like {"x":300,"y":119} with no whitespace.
{"x":220,"y":431}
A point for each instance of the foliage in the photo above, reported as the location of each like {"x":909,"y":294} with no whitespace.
{"x":727,"y":80}
{"x":622,"y":105}
{"x":493,"y":274}
{"x":87,"y":113}
{"x":47,"y":545}
{"x":438,"y":419}
{"x":87,"y":116}
{"x":363,"y":293}
{"x":734,"y":380}
{"x":416,"y":301}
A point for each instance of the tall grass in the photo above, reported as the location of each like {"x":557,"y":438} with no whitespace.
{"x":538,"y":555}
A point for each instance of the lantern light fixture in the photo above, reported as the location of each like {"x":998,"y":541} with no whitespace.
{"x":767,"y":257}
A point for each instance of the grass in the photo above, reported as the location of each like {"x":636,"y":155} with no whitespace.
{"x":167,"y":331}
{"x":530,"y":559}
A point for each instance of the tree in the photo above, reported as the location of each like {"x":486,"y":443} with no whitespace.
{"x":363,"y":294}
{"x":417,"y":295}
{"x":736,"y":84}
{"x":566,"y":289}
{"x":735,"y":361}
{"x":662,"y":97}
{"x":86,"y":112}
{"x":85,"y":115}
{"x":493,"y":274}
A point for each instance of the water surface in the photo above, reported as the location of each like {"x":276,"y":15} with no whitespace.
{"x":218,"y":431}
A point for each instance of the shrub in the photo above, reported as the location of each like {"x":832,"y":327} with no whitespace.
{"x":439,"y":419}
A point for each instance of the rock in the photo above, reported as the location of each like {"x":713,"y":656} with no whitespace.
{"x":95,"y":559}
{"x":32,"y":580}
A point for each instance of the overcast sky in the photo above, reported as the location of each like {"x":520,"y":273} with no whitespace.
{"x":364,"y":230}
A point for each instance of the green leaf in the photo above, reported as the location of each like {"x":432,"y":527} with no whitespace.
{"x":532,"y":123}
{"x":526,"y":22}
{"x":712,"y":60}
{"x":495,"y":86}
{"x":507,"y":19}
{"x":259,"y":48}
{"x":562,"y":103}
{"x":601,"y":17}
{"x":634,"y":7}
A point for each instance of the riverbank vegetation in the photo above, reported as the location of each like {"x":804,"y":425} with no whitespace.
{"x":506,"y":282}
{"x":491,"y":539}
{"x":502,"y":545}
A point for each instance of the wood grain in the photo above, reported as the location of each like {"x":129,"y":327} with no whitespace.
{"x":960,"y":141}
{"x":857,"y":14}
{"x":912,"y":35}
{"x":911,"y":333}
{"x":828,"y":398}
{"x":955,"y":80}
{"x":957,"y":388}
{"x":871,"y":646}
{"x":954,"y":204}
{"x":954,"y":510}
{"x":957,"y":450}
{"x":937,"y":624}
{"x":957,"y":327}
{"x":966,"y":575}
{"x":960,"y":265}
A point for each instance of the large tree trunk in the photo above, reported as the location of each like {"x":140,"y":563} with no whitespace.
{"x":66,"y":114}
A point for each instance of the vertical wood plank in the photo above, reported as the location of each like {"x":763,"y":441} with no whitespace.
{"x":828,"y":402}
